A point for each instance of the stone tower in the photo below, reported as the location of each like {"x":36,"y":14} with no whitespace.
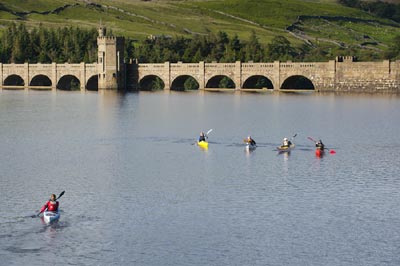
{"x":110,"y":61}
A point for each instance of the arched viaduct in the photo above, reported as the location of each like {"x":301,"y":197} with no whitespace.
{"x":342,"y":74}
{"x":49,"y":76}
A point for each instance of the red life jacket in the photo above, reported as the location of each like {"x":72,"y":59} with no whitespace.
{"x":50,"y":206}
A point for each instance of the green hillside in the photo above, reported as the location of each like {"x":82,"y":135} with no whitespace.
{"x":318,"y":23}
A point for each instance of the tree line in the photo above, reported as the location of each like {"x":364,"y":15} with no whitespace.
{"x":211,"y":48}
{"x":75,"y":45}
{"x":46,"y":45}
{"x":378,"y":8}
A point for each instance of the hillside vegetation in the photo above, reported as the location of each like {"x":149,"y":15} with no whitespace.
{"x":324,"y":26}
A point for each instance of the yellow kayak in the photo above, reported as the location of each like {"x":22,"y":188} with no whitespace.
{"x":203,"y":144}
{"x":285,"y":148}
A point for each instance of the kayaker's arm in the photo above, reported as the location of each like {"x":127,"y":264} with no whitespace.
{"x":44,"y":207}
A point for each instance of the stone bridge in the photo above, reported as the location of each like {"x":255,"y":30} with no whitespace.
{"x":342,"y":74}
{"x":49,"y":76}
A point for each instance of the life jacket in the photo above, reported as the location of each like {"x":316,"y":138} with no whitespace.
{"x":50,"y":206}
{"x":320,"y":145}
{"x":285,"y":143}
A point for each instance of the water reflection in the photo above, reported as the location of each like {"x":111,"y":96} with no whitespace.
{"x":137,"y":180}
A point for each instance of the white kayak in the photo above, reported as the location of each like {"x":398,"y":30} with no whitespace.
{"x":51,"y":217}
{"x":250,"y":146}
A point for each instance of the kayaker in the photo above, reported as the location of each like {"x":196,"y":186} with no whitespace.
{"x":320,"y":145}
{"x":51,"y":205}
{"x":286,"y":143}
{"x":250,"y":140}
{"x":202,"y":136}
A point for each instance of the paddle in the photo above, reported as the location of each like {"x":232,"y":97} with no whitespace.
{"x":208,"y":132}
{"x":59,"y":196}
{"x":331,"y":151}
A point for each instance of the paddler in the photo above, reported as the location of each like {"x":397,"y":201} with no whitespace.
{"x":319,"y":145}
{"x":202,"y":136}
{"x":250,"y":140}
{"x":286,"y":143}
{"x":50,"y":205}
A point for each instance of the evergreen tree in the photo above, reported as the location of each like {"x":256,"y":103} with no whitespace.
{"x":191,"y":84}
{"x":394,"y":49}
{"x":226,"y":83}
{"x":253,"y":49}
{"x":280,"y":49}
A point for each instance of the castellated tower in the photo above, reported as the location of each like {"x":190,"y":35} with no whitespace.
{"x":110,"y":61}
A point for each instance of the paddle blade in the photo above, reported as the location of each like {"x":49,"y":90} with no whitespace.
{"x":332,"y":152}
{"x":35,"y":215}
{"x":208,"y":132}
{"x":310,"y":138}
{"x":62,"y":193}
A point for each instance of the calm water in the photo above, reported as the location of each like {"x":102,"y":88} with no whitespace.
{"x":138,"y":192}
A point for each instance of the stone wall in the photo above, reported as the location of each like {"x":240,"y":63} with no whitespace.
{"x":367,"y":76}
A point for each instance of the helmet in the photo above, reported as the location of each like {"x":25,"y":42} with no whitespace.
{"x":285,"y":139}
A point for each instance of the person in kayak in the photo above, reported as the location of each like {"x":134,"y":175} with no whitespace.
{"x":320,"y":145}
{"x":286,"y":143}
{"x":50,"y":205}
{"x":202,"y":137}
{"x":250,"y":140}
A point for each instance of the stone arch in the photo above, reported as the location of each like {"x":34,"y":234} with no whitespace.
{"x":185,"y":83}
{"x":151,"y":83}
{"x":41,"y":81}
{"x":14,"y":80}
{"x":221,"y":82}
{"x":258,"y":82}
{"x":93,"y":83}
{"x":297,"y":82}
{"x":69,"y":83}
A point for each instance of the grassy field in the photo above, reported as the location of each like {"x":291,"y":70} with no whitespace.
{"x":138,"y":19}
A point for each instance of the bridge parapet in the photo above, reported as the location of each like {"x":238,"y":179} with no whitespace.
{"x":257,"y":65}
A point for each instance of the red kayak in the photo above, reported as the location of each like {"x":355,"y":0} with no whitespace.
{"x":319,"y":152}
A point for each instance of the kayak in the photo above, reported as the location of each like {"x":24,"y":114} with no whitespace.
{"x":319,"y":152}
{"x":285,"y":148}
{"x":203,"y":144}
{"x":51,"y":217}
{"x":250,"y":146}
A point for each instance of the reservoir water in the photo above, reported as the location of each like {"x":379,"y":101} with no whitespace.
{"x":138,"y":192}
